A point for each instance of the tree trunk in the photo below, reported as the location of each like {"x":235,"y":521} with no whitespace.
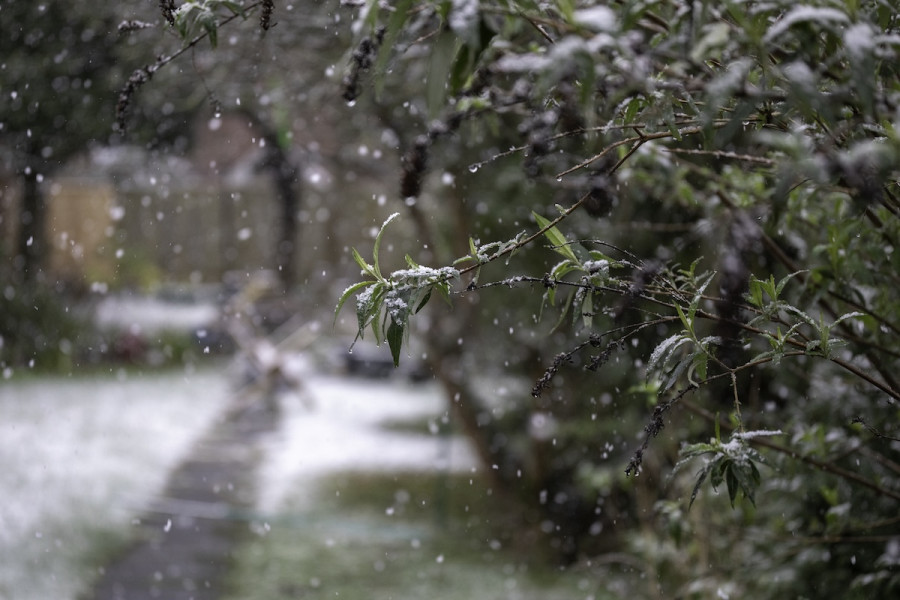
{"x":30,"y":246}
{"x":285,"y":174}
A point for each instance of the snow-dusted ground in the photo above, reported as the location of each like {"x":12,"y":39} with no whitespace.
{"x":340,"y":431}
{"x":80,"y":457}
{"x":75,"y":453}
{"x":148,"y":315}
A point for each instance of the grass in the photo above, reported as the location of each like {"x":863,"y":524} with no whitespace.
{"x":398,"y":536}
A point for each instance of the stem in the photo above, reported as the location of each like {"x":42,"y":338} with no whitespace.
{"x":638,"y":139}
{"x":737,"y":401}
{"x":828,"y":468}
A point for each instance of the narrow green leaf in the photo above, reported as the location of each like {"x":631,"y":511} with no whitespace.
{"x":700,"y":364}
{"x":389,"y":43}
{"x":562,"y":269}
{"x":783,"y":282}
{"x":693,"y":450}
{"x":700,"y":479}
{"x":368,"y":307}
{"x":443,"y":53}
{"x":444,"y":291}
{"x":743,"y":474}
{"x":731,"y":481}
{"x":377,"y":245}
{"x":808,"y":319}
{"x":587,"y":310}
{"x":699,"y":295}
{"x":557,"y":239}
{"x":631,"y":109}
{"x":673,"y":376}
{"x":717,"y":472}
{"x":850,"y":315}
{"x":234,"y":7}
{"x":347,"y":293}
{"x":425,"y":300}
{"x":362,"y":263}
{"x":755,"y":294}
{"x":395,"y":340}
{"x":663,"y":351}
{"x":684,"y":321}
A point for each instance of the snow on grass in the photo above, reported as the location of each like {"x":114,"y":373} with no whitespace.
{"x":79,"y":456}
{"x":344,"y":431}
{"x":151,"y":315}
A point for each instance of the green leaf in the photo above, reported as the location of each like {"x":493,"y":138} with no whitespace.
{"x":754,"y":296}
{"x":695,"y":303}
{"x":731,"y":481}
{"x":783,"y":282}
{"x":389,"y":43}
{"x":844,"y":317}
{"x":700,"y":479}
{"x":347,"y":293}
{"x":663,"y":351}
{"x":564,"y":268}
{"x":634,"y":105}
{"x":425,"y":299}
{"x":699,"y":365}
{"x":444,"y":291}
{"x":587,"y":310}
{"x":717,"y":473}
{"x":806,"y":318}
{"x":363,"y":264}
{"x":234,"y":7}
{"x":680,"y":367}
{"x":395,"y":340}
{"x":567,"y":8}
{"x":694,"y":450}
{"x":442,"y":57}
{"x":557,"y":240}
{"x":688,"y":325}
{"x":378,"y":244}
{"x":368,"y":307}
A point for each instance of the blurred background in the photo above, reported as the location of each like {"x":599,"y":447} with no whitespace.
{"x":180,"y":412}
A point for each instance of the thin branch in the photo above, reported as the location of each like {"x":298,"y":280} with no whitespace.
{"x":848,"y":539}
{"x":884,"y":387}
{"x":828,"y":468}
{"x":874,"y":431}
{"x":723,"y":154}
{"x":643,"y":137}
{"x":537,"y":27}
{"x":559,"y":136}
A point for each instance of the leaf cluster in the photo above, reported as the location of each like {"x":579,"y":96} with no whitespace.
{"x":386,"y":303}
{"x":733,"y":463}
{"x":202,"y":17}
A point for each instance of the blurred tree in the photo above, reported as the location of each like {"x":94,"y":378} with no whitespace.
{"x":59,"y":79}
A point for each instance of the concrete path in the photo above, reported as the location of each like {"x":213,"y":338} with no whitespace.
{"x":187,"y":536}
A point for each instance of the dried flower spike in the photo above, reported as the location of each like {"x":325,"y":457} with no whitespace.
{"x":265,"y":17}
{"x":167,"y":7}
